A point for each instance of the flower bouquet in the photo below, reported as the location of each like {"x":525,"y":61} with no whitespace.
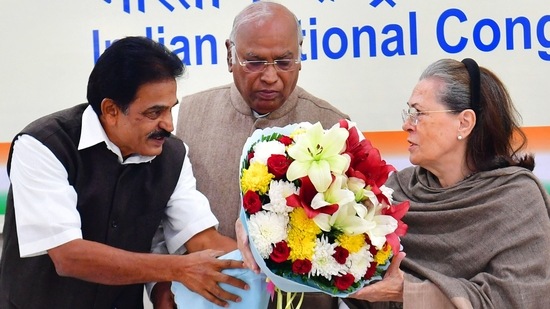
{"x":316,"y":210}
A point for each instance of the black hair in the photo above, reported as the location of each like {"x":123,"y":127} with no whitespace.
{"x":125,"y":66}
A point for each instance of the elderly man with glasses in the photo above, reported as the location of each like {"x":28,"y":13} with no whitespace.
{"x":263,"y":54}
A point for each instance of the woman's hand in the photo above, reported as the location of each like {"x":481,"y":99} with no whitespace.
{"x":244,"y":247}
{"x":391,"y":286}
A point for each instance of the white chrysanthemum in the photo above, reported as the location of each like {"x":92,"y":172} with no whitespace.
{"x":279,"y":190}
{"x":323,"y":263}
{"x":264,"y":150}
{"x":388,"y":192}
{"x":266,"y":228}
{"x":359,"y":262}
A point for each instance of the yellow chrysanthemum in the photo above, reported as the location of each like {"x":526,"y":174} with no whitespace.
{"x":297,"y":132}
{"x":302,"y":247}
{"x":301,"y":235}
{"x":353,"y":243}
{"x":301,"y":223}
{"x":383,"y":254}
{"x":256,"y":178}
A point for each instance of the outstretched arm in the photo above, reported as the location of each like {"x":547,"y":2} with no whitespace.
{"x":199,"y":271}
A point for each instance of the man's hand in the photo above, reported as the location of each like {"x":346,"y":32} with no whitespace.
{"x":244,"y":247}
{"x":201,"y":273}
{"x":390,"y":288}
{"x":199,"y":270}
{"x":162,"y":296}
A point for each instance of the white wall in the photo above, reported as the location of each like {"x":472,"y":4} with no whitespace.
{"x":48,"y":50}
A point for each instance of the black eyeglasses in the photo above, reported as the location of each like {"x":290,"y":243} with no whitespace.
{"x":257,"y":66}
{"x":411,"y":114}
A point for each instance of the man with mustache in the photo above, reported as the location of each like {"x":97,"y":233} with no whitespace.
{"x":90,"y":186}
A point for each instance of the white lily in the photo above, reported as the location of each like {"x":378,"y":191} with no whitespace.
{"x":347,"y":220}
{"x":357,"y":185}
{"x":335,"y":194}
{"x":383,"y":225}
{"x":316,"y":154}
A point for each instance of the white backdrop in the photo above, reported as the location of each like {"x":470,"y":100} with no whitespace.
{"x":49,"y":48}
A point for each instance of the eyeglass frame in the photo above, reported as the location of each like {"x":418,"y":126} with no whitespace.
{"x":265,"y":63}
{"x":412,"y":117}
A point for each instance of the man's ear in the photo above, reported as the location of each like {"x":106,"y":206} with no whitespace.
{"x":229,"y":56}
{"x":300,"y":56}
{"x":109,"y":111}
{"x":467,"y":122}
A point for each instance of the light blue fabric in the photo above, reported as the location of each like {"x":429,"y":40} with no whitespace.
{"x":257,"y":297}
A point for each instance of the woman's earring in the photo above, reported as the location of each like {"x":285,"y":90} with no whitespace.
{"x":459,"y":137}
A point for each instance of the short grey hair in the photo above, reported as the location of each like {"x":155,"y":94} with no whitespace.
{"x":258,"y":11}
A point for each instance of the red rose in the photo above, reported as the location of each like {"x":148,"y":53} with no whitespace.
{"x":251,"y":202}
{"x":301,"y":267}
{"x":372,"y":249}
{"x":370,"y":271}
{"x":285,"y":140}
{"x":341,"y":254}
{"x":344,"y":282}
{"x":280,"y":252}
{"x":250,"y":156}
{"x":277,"y":165}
